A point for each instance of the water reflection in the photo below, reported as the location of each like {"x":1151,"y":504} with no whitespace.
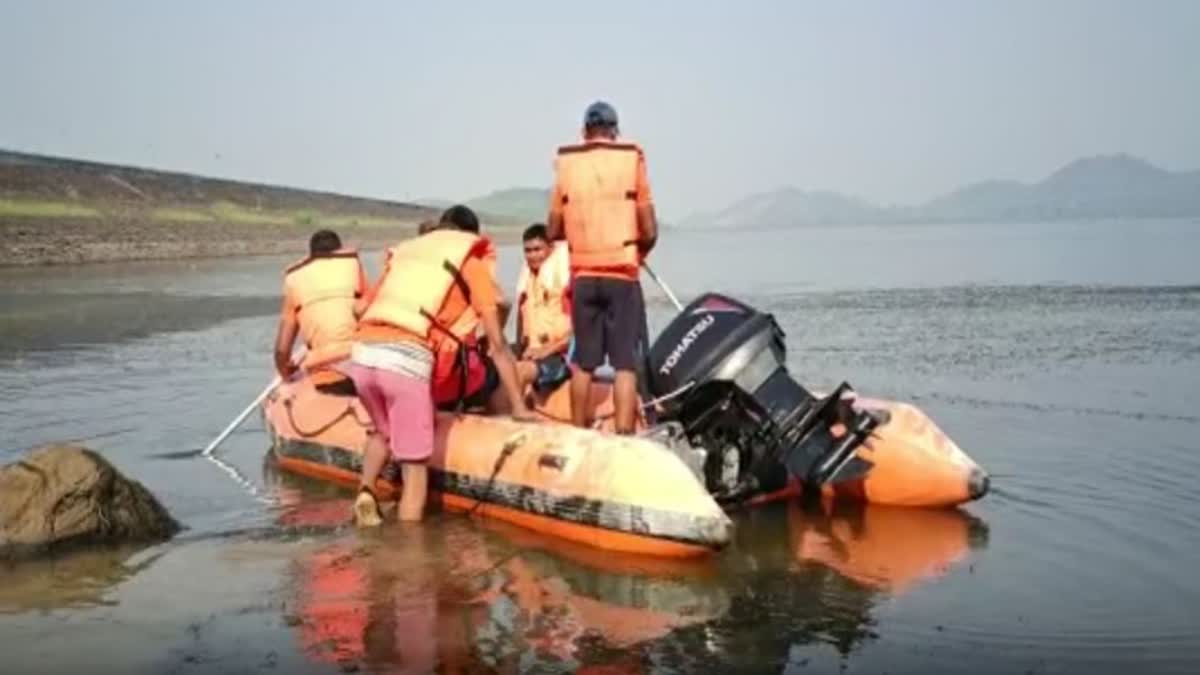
{"x":811,"y":573}
{"x":456,"y":595}
{"x":73,"y":580}
{"x":883,"y":548}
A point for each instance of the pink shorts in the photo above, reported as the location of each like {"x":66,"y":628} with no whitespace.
{"x":400,"y":407}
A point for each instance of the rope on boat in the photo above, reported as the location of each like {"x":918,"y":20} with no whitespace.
{"x":320,"y":430}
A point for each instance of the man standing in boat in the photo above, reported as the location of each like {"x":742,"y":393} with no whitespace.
{"x":319,"y":302}
{"x":602,"y":205}
{"x":416,"y":347}
{"x":543,"y":312}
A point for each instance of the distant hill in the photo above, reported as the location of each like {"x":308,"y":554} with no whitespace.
{"x":524,"y":204}
{"x":1108,"y":186}
{"x":788,"y":205}
{"x":520,"y":205}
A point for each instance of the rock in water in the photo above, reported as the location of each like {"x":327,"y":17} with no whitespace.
{"x":64,"y":495}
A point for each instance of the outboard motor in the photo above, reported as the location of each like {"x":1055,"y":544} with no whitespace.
{"x":718,"y":369}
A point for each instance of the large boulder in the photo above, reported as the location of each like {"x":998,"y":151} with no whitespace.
{"x":65,"y":495}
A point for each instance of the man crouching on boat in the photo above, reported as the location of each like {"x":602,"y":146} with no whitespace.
{"x":416,"y":346}
{"x":319,"y":301}
{"x":544,"y":312}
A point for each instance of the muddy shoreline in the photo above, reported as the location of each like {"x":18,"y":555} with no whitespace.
{"x":35,"y":241}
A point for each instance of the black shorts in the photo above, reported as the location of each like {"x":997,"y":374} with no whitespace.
{"x":342,"y":387}
{"x":551,"y":371}
{"x":608,"y":317}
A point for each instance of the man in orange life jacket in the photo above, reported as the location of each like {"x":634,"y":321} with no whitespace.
{"x":319,"y":296}
{"x":543,"y":312}
{"x":416,"y":347}
{"x":602,"y":205}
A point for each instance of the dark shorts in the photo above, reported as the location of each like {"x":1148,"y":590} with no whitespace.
{"x":552,"y":371}
{"x":608,"y":317}
{"x":342,"y":387}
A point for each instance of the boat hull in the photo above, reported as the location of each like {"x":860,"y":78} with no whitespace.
{"x":618,"y":493}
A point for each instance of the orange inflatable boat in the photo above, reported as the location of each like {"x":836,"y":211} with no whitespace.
{"x":725,"y":426}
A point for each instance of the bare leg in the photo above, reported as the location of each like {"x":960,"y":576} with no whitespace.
{"x":625,"y":401}
{"x":416,"y":487}
{"x":581,"y":397}
{"x":366,"y":508}
{"x":498,"y":403}
{"x":527,"y":373}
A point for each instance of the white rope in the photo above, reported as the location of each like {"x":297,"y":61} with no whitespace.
{"x":243,"y":482}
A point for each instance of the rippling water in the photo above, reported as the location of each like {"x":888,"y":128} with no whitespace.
{"x":1064,"y":358}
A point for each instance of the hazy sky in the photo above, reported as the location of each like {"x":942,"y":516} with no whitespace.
{"x":894,"y":100}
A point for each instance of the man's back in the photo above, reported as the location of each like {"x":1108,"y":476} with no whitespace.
{"x":320,"y":292}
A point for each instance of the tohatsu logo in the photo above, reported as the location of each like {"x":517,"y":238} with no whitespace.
{"x":685,"y":344}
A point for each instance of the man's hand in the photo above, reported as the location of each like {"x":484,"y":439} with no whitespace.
{"x":287,"y":369}
{"x":524,"y":414}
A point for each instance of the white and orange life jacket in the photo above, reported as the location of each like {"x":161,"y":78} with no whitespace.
{"x":598,"y":185}
{"x":324,"y":289}
{"x":416,"y":282}
{"x":544,"y":308}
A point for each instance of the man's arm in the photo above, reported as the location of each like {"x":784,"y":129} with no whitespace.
{"x":285,"y":336}
{"x":506,"y":364}
{"x":521,"y":346}
{"x":647,"y":228}
{"x":360,"y":290}
{"x":647,"y":222}
{"x":554,"y":219}
{"x":361,"y":304}
{"x":503,"y":309}
{"x":482,"y":285}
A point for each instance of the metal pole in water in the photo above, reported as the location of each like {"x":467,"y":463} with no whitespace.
{"x":665,"y":288}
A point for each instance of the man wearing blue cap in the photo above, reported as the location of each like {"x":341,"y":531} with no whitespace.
{"x":602,"y":205}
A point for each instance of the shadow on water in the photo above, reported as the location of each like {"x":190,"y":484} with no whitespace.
{"x":69,"y":581}
{"x":459,"y":595}
{"x":43,"y":322}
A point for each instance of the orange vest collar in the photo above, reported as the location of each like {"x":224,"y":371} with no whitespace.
{"x":340,"y":253}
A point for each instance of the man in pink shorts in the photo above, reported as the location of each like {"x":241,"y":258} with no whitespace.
{"x":412,"y":322}
{"x":392,"y":380}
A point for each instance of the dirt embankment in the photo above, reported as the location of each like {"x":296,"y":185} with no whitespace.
{"x":55,"y":211}
{"x":48,"y":241}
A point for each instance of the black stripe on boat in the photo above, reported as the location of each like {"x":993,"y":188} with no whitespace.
{"x":629,"y":518}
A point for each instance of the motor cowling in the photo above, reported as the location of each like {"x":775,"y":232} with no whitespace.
{"x":720,"y":369}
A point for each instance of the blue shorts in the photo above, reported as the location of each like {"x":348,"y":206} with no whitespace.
{"x":553,"y":370}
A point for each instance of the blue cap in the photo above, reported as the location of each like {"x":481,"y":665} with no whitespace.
{"x":600,"y":114}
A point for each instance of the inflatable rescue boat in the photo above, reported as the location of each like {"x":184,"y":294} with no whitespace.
{"x":725,"y":426}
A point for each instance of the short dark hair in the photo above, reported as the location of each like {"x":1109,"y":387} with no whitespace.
{"x":324,"y":242}
{"x":536,"y":231}
{"x":427,"y":226}
{"x":461,"y":217}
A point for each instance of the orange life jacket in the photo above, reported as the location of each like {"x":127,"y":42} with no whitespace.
{"x":545,"y":312}
{"x":325,"y":288}
{"x":419,"y":276}
{"x":598,"y":181}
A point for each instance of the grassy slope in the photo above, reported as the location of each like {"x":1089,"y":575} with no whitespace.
{"x":56,"y":210}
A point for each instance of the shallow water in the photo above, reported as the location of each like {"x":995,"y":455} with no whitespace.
{"x":1064,"y":358}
